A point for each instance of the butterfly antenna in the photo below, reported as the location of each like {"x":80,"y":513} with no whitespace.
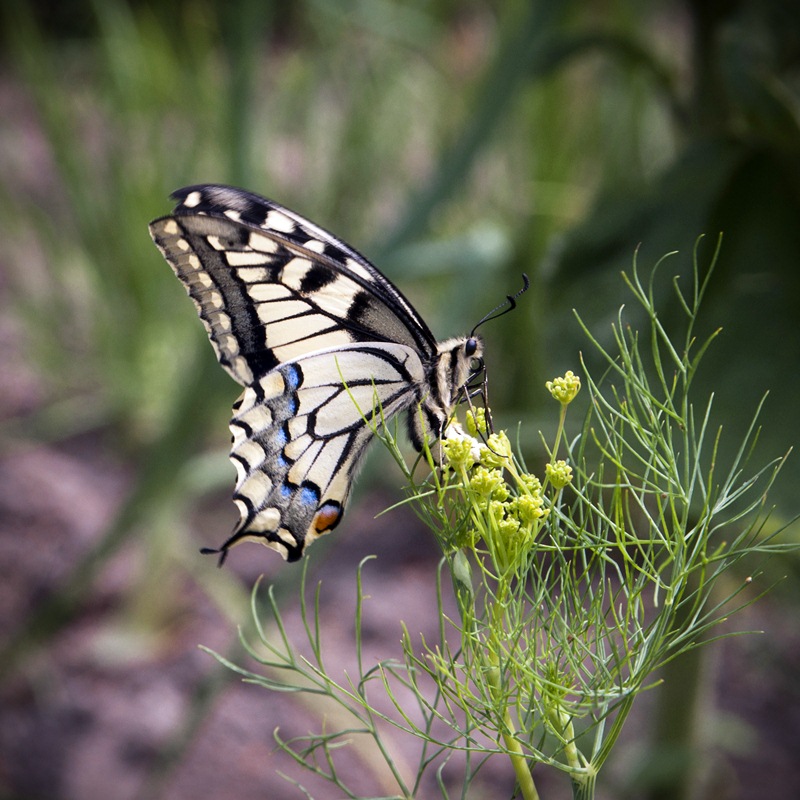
{"x":510,"y":301}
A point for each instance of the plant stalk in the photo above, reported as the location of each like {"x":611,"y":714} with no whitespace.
{"x":518,"y":761}
{"x":583,"y":788}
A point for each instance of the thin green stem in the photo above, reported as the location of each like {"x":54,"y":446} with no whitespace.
{"x":515,"y":752}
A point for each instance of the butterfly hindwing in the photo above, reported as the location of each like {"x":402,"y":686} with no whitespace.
{"x":299,"y":434}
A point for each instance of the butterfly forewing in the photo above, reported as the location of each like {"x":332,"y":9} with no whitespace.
{"x":270,"y":288}
{"x":321,"y":341}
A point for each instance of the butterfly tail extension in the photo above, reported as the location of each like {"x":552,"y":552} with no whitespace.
{"x":213,"y":551}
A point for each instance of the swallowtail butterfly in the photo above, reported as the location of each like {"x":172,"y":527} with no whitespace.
{"x":323,"y":344}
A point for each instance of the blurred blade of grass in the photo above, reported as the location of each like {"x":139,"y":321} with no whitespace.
{"x":242,"y":27}
{"x":115,"y":340}
{"x":523,"y":52}
{"x":106,"y":299}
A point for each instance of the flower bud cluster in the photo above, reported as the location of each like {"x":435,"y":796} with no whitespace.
{"x":564,"y":389}
{"x":559,"y":474}
{"x":506,"y":506}
{"x":499,"y":503}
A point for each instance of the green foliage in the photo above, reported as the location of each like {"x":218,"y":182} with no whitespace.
{"x":573,"y":588}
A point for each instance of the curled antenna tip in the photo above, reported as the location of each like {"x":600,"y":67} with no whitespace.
{"x":510,"y":301}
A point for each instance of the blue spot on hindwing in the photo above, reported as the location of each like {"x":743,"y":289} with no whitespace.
{"x":309,"y":494}
{"x":293,"y":376}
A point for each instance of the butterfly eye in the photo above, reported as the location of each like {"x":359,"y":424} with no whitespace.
{"x":470,"y":346}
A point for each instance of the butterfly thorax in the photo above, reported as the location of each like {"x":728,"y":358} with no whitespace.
{"x":456,"y":361}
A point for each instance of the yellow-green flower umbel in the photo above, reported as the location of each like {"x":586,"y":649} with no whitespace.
{"x":564,"y":389}
{"x":559,"y":474}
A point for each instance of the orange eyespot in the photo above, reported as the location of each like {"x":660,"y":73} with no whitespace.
{"x":328,"y":517}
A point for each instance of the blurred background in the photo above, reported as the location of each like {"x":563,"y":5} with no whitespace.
{"x":456,"y":144}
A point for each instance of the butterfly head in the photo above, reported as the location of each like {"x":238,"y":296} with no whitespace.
{"x":461,"y":371}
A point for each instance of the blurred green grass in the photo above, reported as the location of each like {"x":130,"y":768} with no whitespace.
{"x":456,"y":144}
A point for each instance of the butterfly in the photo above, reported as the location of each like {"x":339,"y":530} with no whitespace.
{"x":326,"y":347}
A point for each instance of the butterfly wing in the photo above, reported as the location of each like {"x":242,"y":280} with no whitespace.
{"x":299,"y":433}
{"x":271,"y":286}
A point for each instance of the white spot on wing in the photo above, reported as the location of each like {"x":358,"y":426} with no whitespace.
{"x":297,"y":447}
{"x":241,"y":370}
{"x":314,"y":246}
{"x":257,"y":417}
{"x":252,"y":274}
{"x":294,"y":271}
{"x":319,"y":462}
{"x":287,"y":537}
{"x":270,"y":313}
{"x":256,"y":488}
{"x":266,"y":521}
{"x":221,"y":321}
{"x":283,"y":332}
{"x":311,"y":398}
{"x":265,"y":292}
{"x":262,"y":243}
{"x":301,"y":469}
{"x":193,"y":199}
{"x":252,"y":453}
{"x":359,"y":269}
{"x":297,"y":349}
{"x":228,"y":344}
{"x":246,"y":401}
{"x":279,"y":222}
{"x":297,"y":427}
{"x":273,"y":385}
{"x":245,"y":258}
{"x":347,"y":409}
